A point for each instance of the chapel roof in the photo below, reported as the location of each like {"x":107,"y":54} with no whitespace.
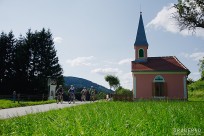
{"x":167,"y":63}
{"x":141,"y":39}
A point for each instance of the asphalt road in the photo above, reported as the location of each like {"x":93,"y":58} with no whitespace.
{"x":21,"y":111}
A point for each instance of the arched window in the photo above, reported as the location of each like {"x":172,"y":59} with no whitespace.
{"x":159,"y":87}
{"x":141,"y":53}
{"x":159,"y":79}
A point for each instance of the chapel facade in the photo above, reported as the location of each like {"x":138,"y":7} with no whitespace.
{"x":156,"y":77}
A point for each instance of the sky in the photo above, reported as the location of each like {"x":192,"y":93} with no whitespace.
{"x":94,"y":38}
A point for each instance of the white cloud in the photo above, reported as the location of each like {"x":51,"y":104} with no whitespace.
{"x":195,"y":76}
{"x":58,"y":39}
{"x":164,"y":20}
{"x":81,"y":61}
{"x":109,"y":62}
{"x":184,"y":54}
{"x":196,"y":56}
{"x":105,"y":71}
{"x":125,"y":61}
{"x":126,"y":80}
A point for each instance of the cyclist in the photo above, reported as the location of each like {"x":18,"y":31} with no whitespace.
{"x":107,"y":97}
{"x":71,"y":92}
{"x":93,"y":94}
{"x":83,"y":94}
{"x":59,"y":94}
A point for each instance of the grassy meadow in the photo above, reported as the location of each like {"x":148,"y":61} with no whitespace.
{"x":197,"y":95}
{"x":10,"y":104}
{"x":196,"y":91}
{"x":113,"y":118}
{"x":110,"y":118}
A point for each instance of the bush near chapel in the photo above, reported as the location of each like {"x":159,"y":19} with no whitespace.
{"x":122,"y":94}
{"x":196,"y":91}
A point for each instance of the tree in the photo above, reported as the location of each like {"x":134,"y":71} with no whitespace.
{"x":43,"y":60}
{"x":122,"y":91}
{"x":190,"y":14}
{"x":190,"y":81}
{"x":27,"y":62}
{"x":113,"y":81}
{"x":7,"y":46}
{"x":22,"y":65}
{"x":201,"y":69}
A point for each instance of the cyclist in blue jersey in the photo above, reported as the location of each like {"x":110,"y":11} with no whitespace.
{"x":71,"y":92}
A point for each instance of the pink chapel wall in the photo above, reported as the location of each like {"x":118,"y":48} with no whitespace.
{"x":175,"y":85}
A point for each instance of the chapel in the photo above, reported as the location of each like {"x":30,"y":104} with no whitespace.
{"x":156,"y":77}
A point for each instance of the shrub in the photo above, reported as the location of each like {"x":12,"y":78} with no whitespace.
{"x":198,"y":85}
{"x":123,"y":94}
{"x":123,"y":91}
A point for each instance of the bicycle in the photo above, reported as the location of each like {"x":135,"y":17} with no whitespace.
{"x":71,"y":98}
{"x":59,"y":98}
{"x":83,"y":97}
{"x":93,"y":97}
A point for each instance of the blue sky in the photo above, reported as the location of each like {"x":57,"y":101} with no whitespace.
{"x":94,"y":38}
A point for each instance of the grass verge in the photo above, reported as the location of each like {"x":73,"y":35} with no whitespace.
{"x":111,"y":118}
{"x":4,"y":104}
{"x":197,"y":95}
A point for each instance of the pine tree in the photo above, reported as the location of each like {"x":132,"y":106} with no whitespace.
{"x":43,"y":60}
{"x":27,"y":62}
{"x":22,"y":63}
{"x":7,"y":47}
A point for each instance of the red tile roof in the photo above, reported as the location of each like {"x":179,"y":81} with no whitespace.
{"x":170,"y":63}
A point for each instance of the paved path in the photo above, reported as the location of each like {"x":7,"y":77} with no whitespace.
{"x":20,"y":111}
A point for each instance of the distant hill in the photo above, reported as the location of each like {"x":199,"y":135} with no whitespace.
{"x":80,"y":83}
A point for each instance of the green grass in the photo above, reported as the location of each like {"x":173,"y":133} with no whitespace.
{"x":196,"y":91}
{"x":197,"y":85}
{"x":110,"y":118}
{"x":197,"y":95}
{"x":4,"y":104}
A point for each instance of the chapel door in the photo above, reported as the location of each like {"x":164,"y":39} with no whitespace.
{"x":159,"y":89}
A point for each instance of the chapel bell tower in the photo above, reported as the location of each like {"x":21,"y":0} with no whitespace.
{"x":141,"y":44}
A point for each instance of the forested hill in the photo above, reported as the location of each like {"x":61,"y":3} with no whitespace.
{"x":80,"y":83}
